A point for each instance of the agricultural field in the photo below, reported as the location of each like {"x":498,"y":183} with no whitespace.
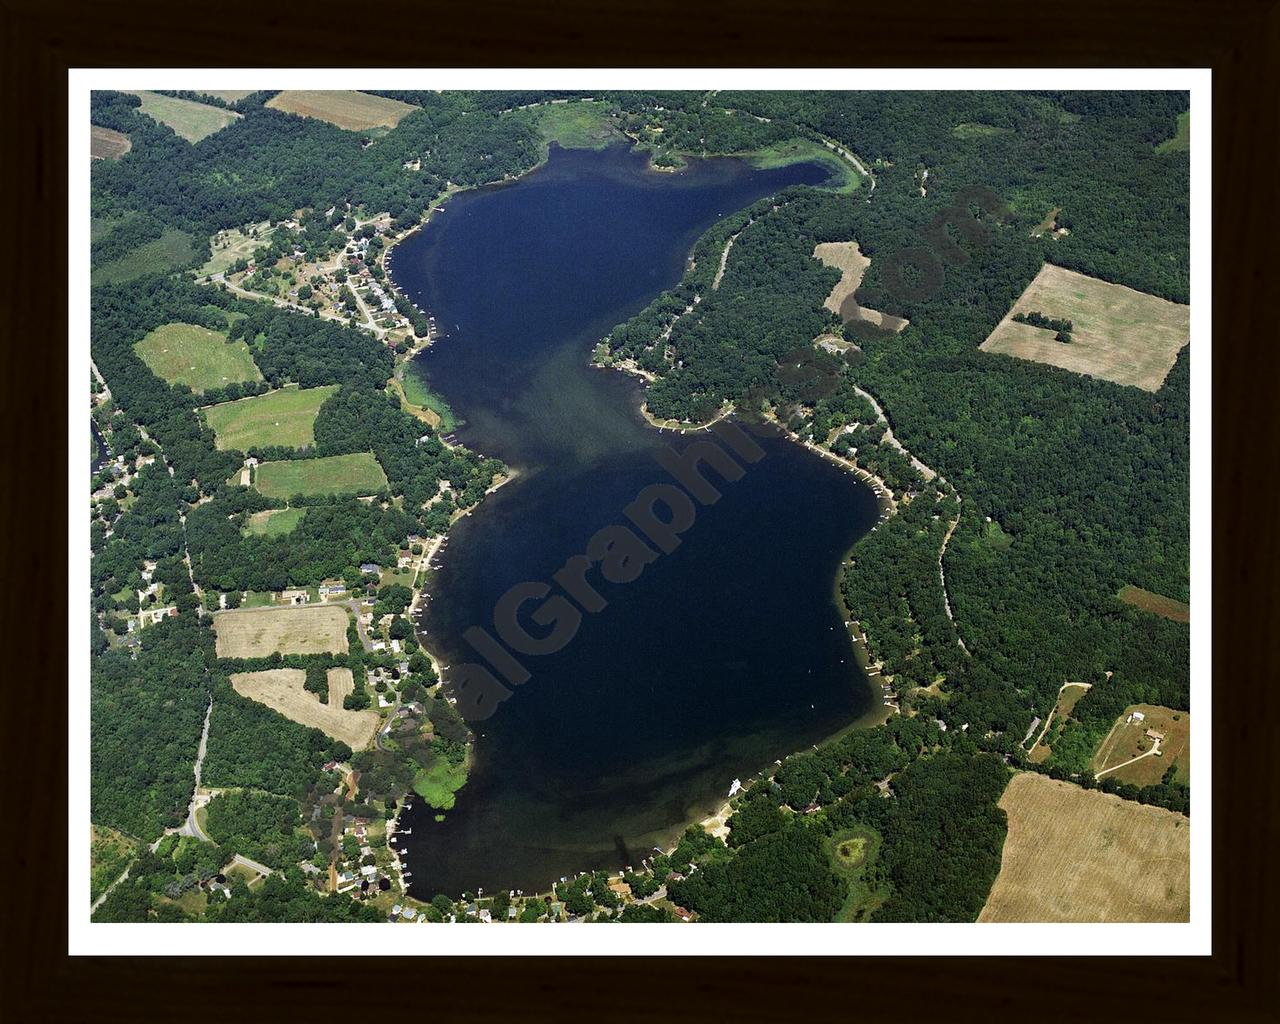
{"x":285,"y":417}
{"x":110,"y":852}
{"x":1128,"y":740}
{"x":1118,"y":334}
{"x":358,"y":473}
{"x":1181,"y":141}
{"x":196,"y":356}
{"x":354,"y":111}
{"x":171,"y":250}
{"x":105,"y":144}
{"x":274,"y":522}
{"x":193,"y":121}
{"x":226,"y":247}
{"x":582,"y":125}
{"x":281,"y":690}
{"x":341,"y":685}
{"x":257,"y":632}
{"x":847,"y":258}
{"x":1076,"y":854}
{"x":1157,"y":604}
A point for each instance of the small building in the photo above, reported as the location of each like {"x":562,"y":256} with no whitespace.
{"x":1135,"y":716}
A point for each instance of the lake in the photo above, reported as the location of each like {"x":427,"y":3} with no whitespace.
{"x":727,"y":653}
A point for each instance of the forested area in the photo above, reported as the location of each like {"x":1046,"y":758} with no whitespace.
{"x":1066,"y":487}
{"x":259,"y":826}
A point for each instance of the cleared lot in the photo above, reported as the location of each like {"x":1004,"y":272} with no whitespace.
{"x":197,"y":357}
{"x":354,"y":111}
{"x":1118,"y":334}
{"x":106,"y":144}
{"x":1082,"y":855}
{"x":285,"y":417}
{"x":847,"y":258}
{"x":256,"y":632}
{"x":281,"y":690}
{"x":193,"y":121}
{"x":358,"y":473}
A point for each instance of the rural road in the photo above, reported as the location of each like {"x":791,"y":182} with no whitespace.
{"x":1155,"y":749}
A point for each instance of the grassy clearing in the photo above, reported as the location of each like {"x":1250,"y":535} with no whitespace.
{"x":354,"y":111}
{"x":274,"y":522}
{"x":106,"y":144}
{"x":304,"y":629}
{"x":193,"y":121}
{"x":341,"y":684}
{"x":581,"y":125}
{"x":844,"y":178}
{"x":852,"y":852}
{"x":1128,"y":740}
{"x":1181,"y":141}
{"x":1067,"y":700}
{"x":196,"y":356}
{"x":976,"y":130}
{"x":1083,"y":855}
{"x":286,"y":416}
{"x":358,"y":473}
{"x":110,"y":852}
{"x":438,"y":784}
{"x":847,"y":258}
{"x":227,"y":95}
{"x":1157,"y":604}
{"x":280,"y":690}
{"x":416,"y":392}
{"x":226,"y":247}
{"x":171,"y":250}
{"x":1118,"y":334}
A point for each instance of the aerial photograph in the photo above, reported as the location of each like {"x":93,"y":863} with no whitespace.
{"x":614,"y":506}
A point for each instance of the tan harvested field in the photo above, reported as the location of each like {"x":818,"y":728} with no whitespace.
{"x":354,"y":111}
{"x":1118,"y":334}
{"x":1075,"y":854}
{"x":847,"y":258}
{"x":1128,"y":740}
{"x":1157,"y":604}
{"x":281,"y":690}
{"x":341,"y":684}
{"x":106,"y":144}
{"x":257,"y":632}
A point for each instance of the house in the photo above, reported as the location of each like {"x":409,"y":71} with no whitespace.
{"x":295,"y":597}
{"x":370,"y":567}
{"x":1154,"y":736}
{"x":486,"y":917}
{"x":683,"y":914}
{"x":409,"y":913}
{"x":1135,"y":716}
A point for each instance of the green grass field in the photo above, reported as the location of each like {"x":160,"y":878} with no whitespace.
{"x":852,"y":852}
{"x":581,"y":125}
{"x":275,"y":522}
{"x":336,"y":474}
{"x":196,"y":356}
{"x":286,"y":417}
{"x":1181,"y":140}
{"x":228,"y":246}
{"x":193,"y":121}
{"x":171,"y":250}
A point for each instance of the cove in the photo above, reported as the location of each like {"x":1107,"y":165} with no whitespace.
{"x":725,"y":654}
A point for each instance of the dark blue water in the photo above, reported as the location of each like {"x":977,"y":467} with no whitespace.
{"x":725,"y":654}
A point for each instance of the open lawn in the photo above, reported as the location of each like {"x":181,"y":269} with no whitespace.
{"x":286,"y":417}
{"x":281,"y":690}
{"x":1128,"y":740}
{"x":304,"y":629}
{"x":1118,"y":334}
{"x":193,"y":121}
{"x":171,"y":250}
{"x":580,"y":125}
{"x":1157,"y":604}
{"x":358,"y":473}
{"x":274,"y":522}
{"x":196,"y":356}
{"x":106,"y":144}
{"x":1075,"y":854}
{"x":226,"y":247}
{"x":847,"y":258}
{"x":1181,"y":140}
{"x":354,"y":111}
